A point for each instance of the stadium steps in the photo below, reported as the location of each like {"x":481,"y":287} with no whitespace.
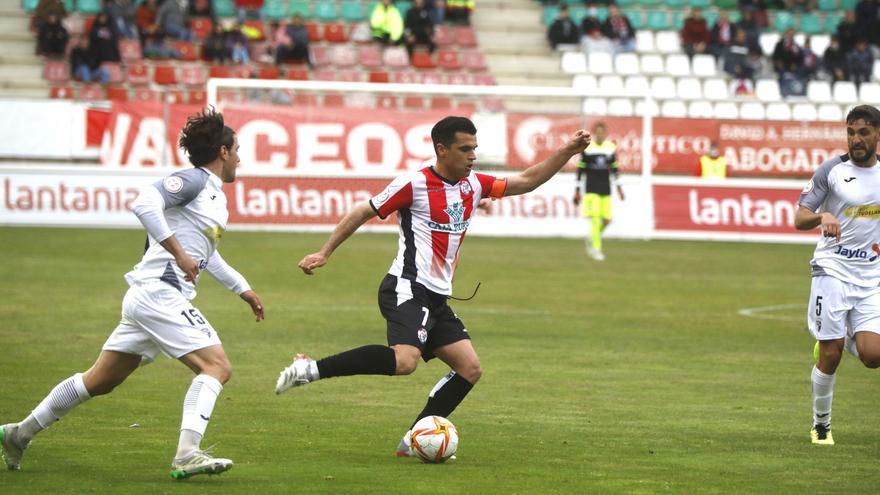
{"x":21,"y":71}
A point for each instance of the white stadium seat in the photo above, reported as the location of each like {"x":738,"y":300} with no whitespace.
{"x":652,"y":64}
{"x":804,"y":112}
{"x":700,"y":109}
{"x":767,"y":90}
{"x":626,"y":64}
{"x":595,"y":106}
{"x":668,"y":42}
{"x":704,"y":65}
{"x":586,"y":83}
{"x":673,"y":108}
{"x":778,"y":111}
{"x":574,"y":63}
{"x":768,"y":42}
{"x":877,"y":70}
{"x":620,"y":107}
{"x":869,"y":92}
{"x":715,"y":89}
{"x":663,"y":88}
{"x":644,"y":41}
{"x":830,"y":112}
{"x":752,"y":111}
{"x":610,"y":86}
{"x":600,"y":63}
{"x":726,"y":110}
{"x":844,"y":92}
{"x":689,"y":88}
{"x":819,"y":43}
{"x":819,"y":91}
{"x":678,"y":65}
{"x":643,"y":107}
{"x":637,"y":86}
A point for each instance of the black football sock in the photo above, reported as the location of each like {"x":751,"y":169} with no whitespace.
{"x":446,"y":396}
{"x":367,"y":360}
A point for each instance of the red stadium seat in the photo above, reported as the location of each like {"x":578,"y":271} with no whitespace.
{"x":91,"y":92}
{"x":465,"y":107}
{"x":422,"y":60}
{"x":117,"y":93}
{"x":197,"y":97}
{"x":386,"y":101}
{"x":305,"y":99}
{"x":334,"y":100}
{"x":242,"y":72}
{"x":319,"y":55}
{"x":379,"y":77}
{"x":173,"y":97}
{"x":267,"y":72}
{"x":432,"y":78}
{"x":458,"y":79}
{"x":187,"y":50}
{"x":370,"y":56}
{"x":192,"y":74}
{"x":350,"y":76}
{"x":343,"y":56}
{"x":164,"y":75}
{"x":56,"y":71}
{"x":130,"y":50}
{"x":298,"y":74}
{"x":395,"y":57}
{"x":114,"y":70}
{"x":406,"y":77}
{"x":314,"y":32}
{"x":335,"y":33}
{"x":447,"y":60}
{"x":61,"y":92}
{"x":484,"y":80}
{"x":473,"y":61}
{"x":414,"y":102}
{"x":201,"y":27}
{"x":441,"y":103}
{"x":137,"y":73}
{"x":324,"y":75}
{"x":145,"y":95}
{"x":465,"y":36}
{"x":442,"y":35}
{"x":219,"y":71}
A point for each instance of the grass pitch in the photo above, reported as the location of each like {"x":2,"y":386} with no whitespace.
{"x":636,"y":375}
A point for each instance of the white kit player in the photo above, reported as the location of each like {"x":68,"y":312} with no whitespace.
{"x":844,"y":306}
{"x":434,"y":207}
{"x":185,"y":216}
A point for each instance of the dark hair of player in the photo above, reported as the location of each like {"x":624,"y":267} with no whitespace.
{"x":203,"y":136}
{"x":868,"y":113}
{"x":444,"y":131}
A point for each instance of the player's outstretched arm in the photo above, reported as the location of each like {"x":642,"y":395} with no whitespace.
{"x":149,"y":207}
{"x":344,"y":229}
{"x":805,"y":219}
{"x":540,"y":173}
{"x":233,"y":280}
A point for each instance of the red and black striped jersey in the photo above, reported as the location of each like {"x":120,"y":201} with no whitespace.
{"x":433,"y":215}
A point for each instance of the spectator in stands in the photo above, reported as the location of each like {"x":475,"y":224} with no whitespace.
{"x":103,"y":40}
{"x":237,"y":45}
{"x":723,"y":33}
{"x":418,"y":28}
{"x":459,"y":11}
{"x":201,"y":8}
{"x":85,"y":65}
{"x":735,"y":58}
{"x":750,"y":26}
{"x":122,"y":13}
{"x":788,"y":56}
{"x":44,"y":9}
{"x":52,"y":38}
{"x":293,"y":46}
{"x":171,"y":19}
{"x":145,"y":17}
{"x":860,"y":62}
{"x":157,"y":45}
{"x":712,"y":165}
{"x":249,"y":9}
{"x":695,"y":35}
{"x":811,"y":60}
{"x":214,"y":48}
{"x":848,"y":31}
{"x":757,"y":65}
{"x":563,"y":30}
{"x":800,"y":5}
{"x":437,"y":10}
{"x":867,"y":12}
{"x":618,"y":28}
{"x":591,"y":21}
{"x":834,"y":60}
{"x":386,"y":23}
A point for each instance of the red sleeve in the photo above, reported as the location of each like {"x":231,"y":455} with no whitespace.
{"x":398,"y":194}
{"x":491,"y":186}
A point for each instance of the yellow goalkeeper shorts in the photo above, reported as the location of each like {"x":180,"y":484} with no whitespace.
{"x":597,"y":205}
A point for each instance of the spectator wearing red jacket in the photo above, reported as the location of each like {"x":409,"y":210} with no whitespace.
{"x":695,"y":34}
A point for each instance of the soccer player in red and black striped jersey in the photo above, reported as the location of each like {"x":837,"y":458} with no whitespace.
{"x":434,"y":206}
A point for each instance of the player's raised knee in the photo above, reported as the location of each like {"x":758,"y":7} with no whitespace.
{"x":407,"y":358}
{"x":471,"y":372}
{"x":870,"y":360}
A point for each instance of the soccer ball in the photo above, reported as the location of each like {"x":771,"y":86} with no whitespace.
{"x":434,"y":439}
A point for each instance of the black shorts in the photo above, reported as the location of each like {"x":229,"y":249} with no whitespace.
{"x":422,"y":319}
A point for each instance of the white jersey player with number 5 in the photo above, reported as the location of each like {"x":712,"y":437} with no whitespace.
{"x":185,"y":216}
{"x":844,"y":306}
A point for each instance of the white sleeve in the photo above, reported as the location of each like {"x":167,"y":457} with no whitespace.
{"x":149,"y":207}
{"x":226,"y":275}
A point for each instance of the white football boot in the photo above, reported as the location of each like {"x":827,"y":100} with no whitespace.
{"x":199,"y":462}
{"x":10,"y":449}
{"x":297,"y":374}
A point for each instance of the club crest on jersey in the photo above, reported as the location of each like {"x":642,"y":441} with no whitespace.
{"x":172,"y":184}
{"x":465,"y":187}
{"x":423,"y":335}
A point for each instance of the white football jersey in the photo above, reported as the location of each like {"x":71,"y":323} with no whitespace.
{"x":852,"y":194}
{"x":433,"y":215}
{"x":195,"y":209}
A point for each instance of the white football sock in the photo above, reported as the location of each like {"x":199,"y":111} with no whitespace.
{"x":60,"y":401}
{"x":823,"y":393}
{"x":198,"y":404}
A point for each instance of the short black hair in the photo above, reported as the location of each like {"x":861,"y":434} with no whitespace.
{"x":444,"y":131}
{"x":203,"y":136}
{"x":868,"y":113}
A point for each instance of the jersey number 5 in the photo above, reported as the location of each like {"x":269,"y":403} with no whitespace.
{"x":818,"y":305}
{"x":195,"y":316}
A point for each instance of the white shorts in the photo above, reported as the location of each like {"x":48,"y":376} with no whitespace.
{"x":837,"y":307}
{"x":157,"y":318}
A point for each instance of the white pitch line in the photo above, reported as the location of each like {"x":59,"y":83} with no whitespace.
{"x":758,"y":312}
